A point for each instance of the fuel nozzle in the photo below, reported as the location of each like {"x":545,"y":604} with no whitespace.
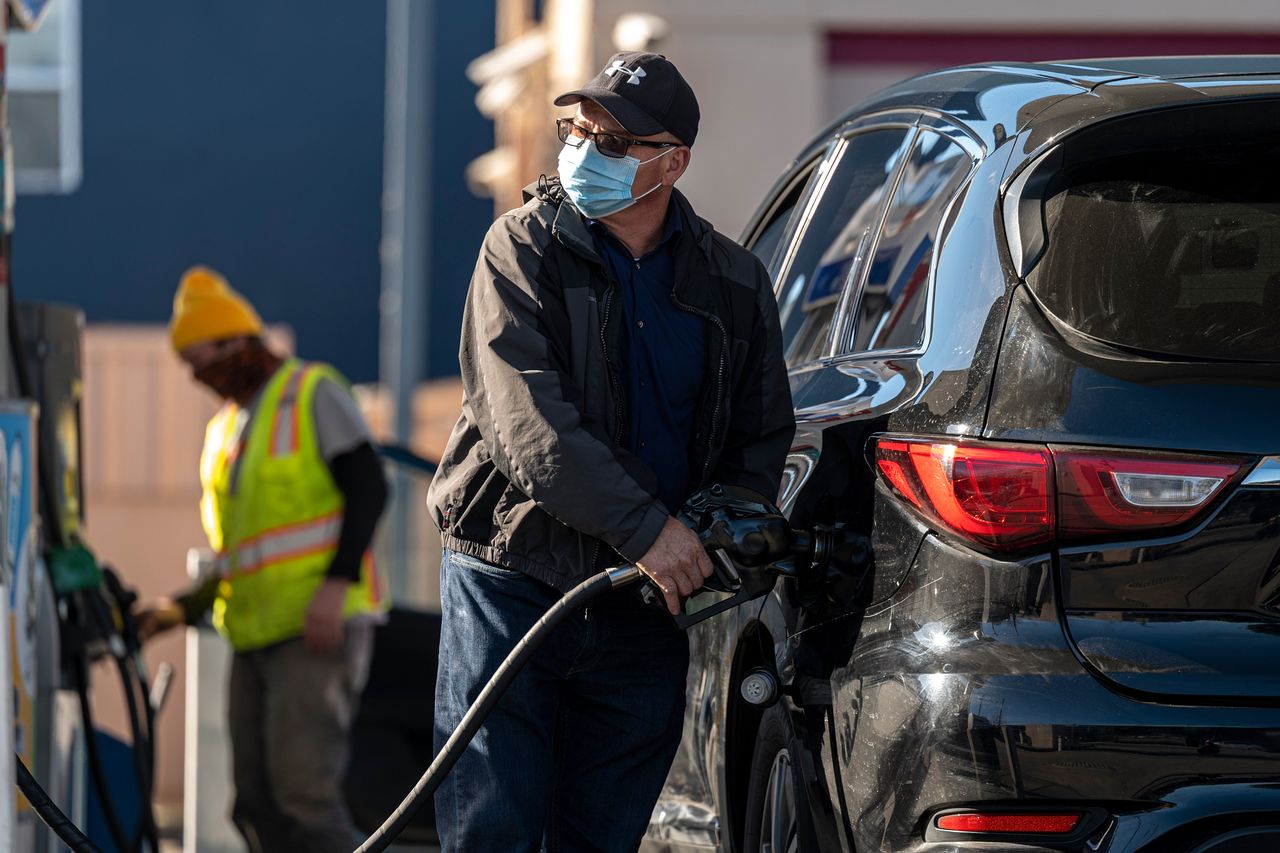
{"x":751,"y":545}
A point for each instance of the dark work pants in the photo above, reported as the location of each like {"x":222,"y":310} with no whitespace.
{"x":290,"y":714}
{"x":575,"y":754}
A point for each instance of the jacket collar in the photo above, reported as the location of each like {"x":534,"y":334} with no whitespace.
{"x":570,"y":226}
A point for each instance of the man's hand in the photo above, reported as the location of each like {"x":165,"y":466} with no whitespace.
{"x":157,"y":617}
{"x":676,"y":563}
{"x":322,"y":632}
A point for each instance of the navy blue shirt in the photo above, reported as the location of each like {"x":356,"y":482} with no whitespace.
{"x":663,"y":353}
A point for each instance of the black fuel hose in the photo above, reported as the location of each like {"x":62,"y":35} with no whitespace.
{"x":576,"y":599}
{"x":142,"y":754}
{"x":134,"y":687}
{"x":49,"y":812}
{"x":96,"y":770}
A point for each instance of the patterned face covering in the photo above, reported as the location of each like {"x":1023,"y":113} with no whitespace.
{"x":598,"y":185}
{"x":238,"y":375}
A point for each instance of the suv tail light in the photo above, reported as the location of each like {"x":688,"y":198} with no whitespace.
{"x":1019,"y":822}
{"x":1102,"y":493}
{"x":995,"y":495}
{"x":1017,"y":497}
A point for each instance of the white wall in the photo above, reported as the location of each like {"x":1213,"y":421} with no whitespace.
{"x":759,"y":78}
{"x":760,"y":71}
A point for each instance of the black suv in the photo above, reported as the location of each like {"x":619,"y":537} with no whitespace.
{"x":1032,"y":318}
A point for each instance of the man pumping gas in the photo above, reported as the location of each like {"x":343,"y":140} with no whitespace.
{"x":617,"y":355}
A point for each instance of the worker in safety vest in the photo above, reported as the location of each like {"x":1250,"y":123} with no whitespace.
{"x":292,"y":493}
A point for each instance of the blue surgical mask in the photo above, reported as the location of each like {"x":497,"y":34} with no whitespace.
{"x":598,"y":185}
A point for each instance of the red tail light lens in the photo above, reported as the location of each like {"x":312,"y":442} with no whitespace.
{"x":1103,"y":492}
{"x":996,"y":495}
{"x":1055,"y":824}
{"x":1006,"y":498}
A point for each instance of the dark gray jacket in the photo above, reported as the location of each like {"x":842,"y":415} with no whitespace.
{"x":535,"y":477}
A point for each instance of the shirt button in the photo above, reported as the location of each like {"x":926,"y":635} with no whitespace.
{"x":640,"y":323}
{"x":642,"y":444}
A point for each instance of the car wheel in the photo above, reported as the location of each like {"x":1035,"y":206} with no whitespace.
{"x":772,"y":813}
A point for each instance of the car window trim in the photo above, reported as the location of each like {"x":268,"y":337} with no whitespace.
{"x":799,"y":177}
{"x":816,"y":191}
{"x":780,"y":252}
{"x":832,"y":152}
{"x":930,"y":285}
{"x":843,"y":325}
{"x":911,"y":121}
{"x":806,"y":206}
{"x":846,"y":352}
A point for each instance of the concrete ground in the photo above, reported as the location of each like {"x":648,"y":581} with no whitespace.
{"x":170,"y":826}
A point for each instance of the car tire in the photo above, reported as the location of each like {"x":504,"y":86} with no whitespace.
{"x":774,"y":808}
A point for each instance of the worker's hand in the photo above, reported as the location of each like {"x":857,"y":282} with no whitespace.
{"x":157,"y":617}
{"x":676,"y":563}
{"x":323,"y":629}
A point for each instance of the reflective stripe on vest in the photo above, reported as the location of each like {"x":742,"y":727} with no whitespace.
{"x":286,"y":543}
{"x":284,"y":422}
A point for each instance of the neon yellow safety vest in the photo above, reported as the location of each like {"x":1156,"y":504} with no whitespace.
{"x":275,"y":528}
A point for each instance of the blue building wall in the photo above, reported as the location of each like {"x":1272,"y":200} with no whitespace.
{"x":250,"y":137}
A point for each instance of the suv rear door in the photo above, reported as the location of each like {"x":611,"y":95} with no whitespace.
{"x":1144,"y":349}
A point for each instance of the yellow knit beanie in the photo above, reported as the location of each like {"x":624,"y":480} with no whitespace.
{"x":207,"y":309}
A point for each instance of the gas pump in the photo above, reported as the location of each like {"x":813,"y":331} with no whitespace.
{"x":65,"y":611}
{"x":60,"y":611}
{"x":70,"y":611}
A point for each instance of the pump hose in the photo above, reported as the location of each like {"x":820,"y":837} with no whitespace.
{"x":577,"y":598}
{"x":139,"y":716}
{"x":110,"y":815}
{"x":49,"y":811}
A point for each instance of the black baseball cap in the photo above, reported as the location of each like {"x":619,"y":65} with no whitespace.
{"x":644,"y":93}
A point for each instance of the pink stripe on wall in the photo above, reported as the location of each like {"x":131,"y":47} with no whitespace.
{"x":940,"y":49}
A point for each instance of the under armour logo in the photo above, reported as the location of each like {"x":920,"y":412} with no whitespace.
{"x":616,"y":67}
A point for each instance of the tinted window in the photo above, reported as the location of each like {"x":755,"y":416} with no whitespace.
{"x":891,"y":312}
{"x":771,"y":236}
{"x":768,"y":239}
{"x":1169,"y":252}
{"x":841,"y":214}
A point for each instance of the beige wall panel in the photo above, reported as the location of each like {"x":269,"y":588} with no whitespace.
{"x":146,"y":543}
{"x":143,"y":424}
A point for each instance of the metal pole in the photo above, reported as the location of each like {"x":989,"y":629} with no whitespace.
{"x":406,"y":247}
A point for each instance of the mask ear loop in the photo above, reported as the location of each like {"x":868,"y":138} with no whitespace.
{"x":645,"y":163}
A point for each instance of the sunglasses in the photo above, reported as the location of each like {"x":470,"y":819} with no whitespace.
{"x":608,"y":144}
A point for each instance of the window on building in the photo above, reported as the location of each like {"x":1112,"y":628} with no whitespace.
{"x":43,"y":77}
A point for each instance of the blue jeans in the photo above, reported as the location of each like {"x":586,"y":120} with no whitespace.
{"x":575,"y":754}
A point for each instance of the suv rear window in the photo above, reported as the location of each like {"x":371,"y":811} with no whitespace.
{"x":1173,"y":251}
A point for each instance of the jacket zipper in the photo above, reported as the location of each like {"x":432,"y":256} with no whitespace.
{"x":613,"y":386}
{"x":613,"y":382}
{"x":715,"y":413}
